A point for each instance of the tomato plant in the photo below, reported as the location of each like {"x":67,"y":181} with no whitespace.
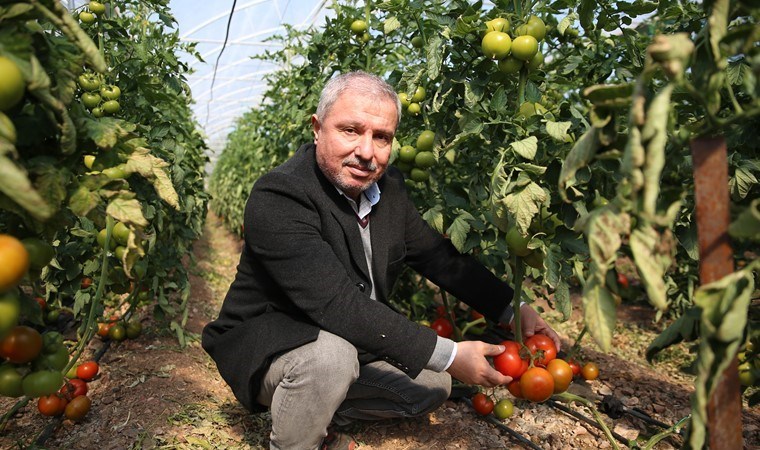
{"x":542,"y":348}
{"x":87,"y":370}
{"x":482,"y":403}
{"x":536,"y":384}
{"x":509,"y":361}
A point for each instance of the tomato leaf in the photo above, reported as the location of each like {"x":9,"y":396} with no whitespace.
{"x":579,"y":156}
{"x":391,"y":24}
{"x":562,"y":302}
{"x":126,"y":210}
{"x":747,"y":225}
{"x":15,"y":184}
{"x":459,"y":229}
{"x":526,"y":148}
{"x":604,"y":228}
{"x":434,"y":217}
{"x":599,"y":312}
{"x":152,"y":168}
{"x":558,"y":130}
{"x":523,"y":204}
{"x":652,"y":262}
{"x":435,"y":49}
{"x":685,"y":328}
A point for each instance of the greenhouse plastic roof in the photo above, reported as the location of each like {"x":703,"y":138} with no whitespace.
{"x":229,"y":82}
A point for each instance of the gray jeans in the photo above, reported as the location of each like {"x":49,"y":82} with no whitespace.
{"x":321,"y":382}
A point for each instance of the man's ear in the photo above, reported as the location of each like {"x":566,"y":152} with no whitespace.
{"x":315,"y":127}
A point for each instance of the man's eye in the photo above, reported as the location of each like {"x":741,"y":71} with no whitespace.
{"x":349,"y":130}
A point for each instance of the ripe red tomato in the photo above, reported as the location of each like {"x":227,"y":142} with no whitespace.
{"x":74,"y":388}
{"x":482,"y":403}
{"x":52,"y":405}
{"x":545,"y":345}
{"x":576,"y":368}
{"x":509,"y":362}
{"x":21,"y":345}
{"x":442,"y":327}
{"x":440,"y":311}
{"x":87,"y":371}
{"x":86,"y":282}
{"x":537,"y":384}
{"x":622,"y":280}
{"x":78,"y":408}
{"x":590,"y":371}
{"x":562,"y":374}
{"x":515,"y":389}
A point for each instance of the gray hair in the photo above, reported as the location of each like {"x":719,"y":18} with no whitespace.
{"x":363,"y":83}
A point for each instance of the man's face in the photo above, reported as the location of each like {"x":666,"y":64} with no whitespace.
{"x":354,"y":141}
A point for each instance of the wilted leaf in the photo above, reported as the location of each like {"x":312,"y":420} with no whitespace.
{"x":599,"y":312}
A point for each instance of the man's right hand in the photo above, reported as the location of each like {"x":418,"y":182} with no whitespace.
{"x":470,"y":365}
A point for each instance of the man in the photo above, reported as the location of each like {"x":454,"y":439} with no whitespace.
{"x":306,"y":328}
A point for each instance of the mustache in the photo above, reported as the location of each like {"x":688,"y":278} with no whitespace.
{"x":354,"y":161}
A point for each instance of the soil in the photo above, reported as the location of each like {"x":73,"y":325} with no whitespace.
{"x":153,"y":393}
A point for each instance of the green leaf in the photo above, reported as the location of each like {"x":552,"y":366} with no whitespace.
{"x":435,"y":50}
{"x":567,"y":22}
{"x":599,"y":313}
{"x":107,"y":131}
{"x":747,"y":225}
{"x":562,"y":302}
{"x":579,"y":156}
{"x":458,"y":230}
{"x":524,"y":203}
{"x":742,"y":182}
{"x":651,"y":263}
{"x":526,"y":148}
{"x":558,"y":130}
{"x":152,"y":168}
{"x":127,"y":210}
{"x":586,"y":14}
{"x":685,"y":328}
{"x":16,"y":185}
{"x":434,"y":217}
{"x":604,"y":228}
{"x":391,"y":24}
{"x":83,"y":201}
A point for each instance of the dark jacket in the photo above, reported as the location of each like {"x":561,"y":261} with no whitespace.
{"x":303,"y":268}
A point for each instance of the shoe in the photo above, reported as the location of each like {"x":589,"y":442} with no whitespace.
{"x":336,"y":440}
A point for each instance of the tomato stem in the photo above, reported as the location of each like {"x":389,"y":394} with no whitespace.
{"x":450,"y":316}
{"x":7,"y":416}
{"x":472,"y":324}
{"x":367,"y":16}
{"x":521,"y":86}
{"x":675,"y":429}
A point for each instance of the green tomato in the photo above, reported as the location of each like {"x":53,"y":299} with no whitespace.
{"x":40,"y":252}
{"x":418,"y":42}
{"x":536,"y":61}
{"x":404,"y":99}
{"x":89,"y":82}
{"x":419,"y":175}
{"x":13,"y":86}
{"x":414,"y":109}
{"x":98,"y":112}
{"x":498,"y":24}
{"x":121,"y":233}
{"x":90,"y":100}
{"x":426,"y":141}
{"x":419,"y":95}
{"x":10,"y":381}
{"x":517,"y":243}
{"x":87,"y":17}
{"x":407,"y":154}
{"x":42,"y":382}
{"x":111,"y":107}
{"x":52,"y":361}
{"x":96,"y":7}
{"x":536,"y":28}
{"x":524,"y":47}
{"x":496,"y":45}
{"x":424,"y":160}
{"x":10,"y":310}
{"x":510,"y":65}
{"x":359,"y":27}
{"x":110,"y":92}
{"x":503,"y":409}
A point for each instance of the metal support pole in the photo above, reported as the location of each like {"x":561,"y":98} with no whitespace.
{"x":724,"y":419}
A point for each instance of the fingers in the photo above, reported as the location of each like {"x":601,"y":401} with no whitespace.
{"x":493,"y":350}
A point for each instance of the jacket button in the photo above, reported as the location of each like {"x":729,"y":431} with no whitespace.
{"x":361,"y":286}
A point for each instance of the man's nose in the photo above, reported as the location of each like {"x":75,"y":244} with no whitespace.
{"x":366,"y":147}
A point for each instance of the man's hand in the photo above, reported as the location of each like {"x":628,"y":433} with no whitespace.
{"x":532,"y":323}
{"x":470,"y":365}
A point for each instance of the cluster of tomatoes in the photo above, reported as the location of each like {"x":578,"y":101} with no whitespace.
{"x":99,"y":98}
{"x":360,"y":30}
{"x":71,"y":400}
{"x":536,"y":372}
{"x":117,"y":330}
{"x":417,"y":160}
{"x":94,"y":10}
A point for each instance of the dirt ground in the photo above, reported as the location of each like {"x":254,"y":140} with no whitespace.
{"x":151,"y":393}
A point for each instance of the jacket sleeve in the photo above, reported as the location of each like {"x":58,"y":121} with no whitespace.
{"x":286,"y":236}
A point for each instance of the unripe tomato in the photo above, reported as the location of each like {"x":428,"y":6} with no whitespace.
{"x":14,"y":262}
{"x":536,"y":61}
{"x":78,"y":408}
{"x":10,"y":308}
{"x":496,"y":45}
{"x":111,"y":107}
{"x":117,"y":332}
{"x":498,"y":24}
{"x":96,"y":7}
{"x":358,"y":27}
{"x":482,"y":403}
{"x":21,"y":345}
{"x":537,"y":384}
{"x":414,"y":109}
{"x":98,"y":112}
{"x":121,"y":233}
{"x":102,"y":239}
{"x":13,"y":86}
{"x":524,"y":47}
{"x":536,"y":28}
{"x":90,"y":100}
{"x":10,"y":381}
{"x":87,"y":17}
{"x":110,"y":92}
{"x":134,"y":328}
{"x":42,"y":382}
{"x":419,"y":175}
{"x":407,"y":154}
{"x":426,"y":141}
{"x":89,"y":82}
{"x":424,"y":160}
{"x":40,"y":252}
{"x":418,"y":42}
{"x":404,"y":99}
{"x":517,"y":243}
{"x":419,"y":95}
{"x":503,"y":409}
{"x":510,"y":65}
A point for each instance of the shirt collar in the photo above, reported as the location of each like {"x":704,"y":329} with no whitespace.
{"x":372,"y":194}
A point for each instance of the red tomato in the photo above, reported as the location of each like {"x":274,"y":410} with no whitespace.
{"x":442,"y":327}
{"x":537,"y":384}
{"x":544,"y":344}
{"x":576,"y":368}
{"x":86,"y":282}
{"x":87,"y":371}
{"x":482,"y":403}
{"x":514,"y":388}
{"x":622,"y":280}
{"x":78,"y":408}
{"x":590,"y":371}
{"x":21,"y":345}
{"x":509,"y":362}
{"x":41,"y":301}
{"x":74,"y":388}
{"x":52,"y":405}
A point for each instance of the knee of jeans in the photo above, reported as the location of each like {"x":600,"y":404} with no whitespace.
{"x":438,"y":390}
{"x":336,"y":361}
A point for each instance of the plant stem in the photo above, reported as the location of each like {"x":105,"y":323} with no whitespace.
{"x":675,"y":429}
{"x":450,"y":316}
{"x":519,"y":278}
